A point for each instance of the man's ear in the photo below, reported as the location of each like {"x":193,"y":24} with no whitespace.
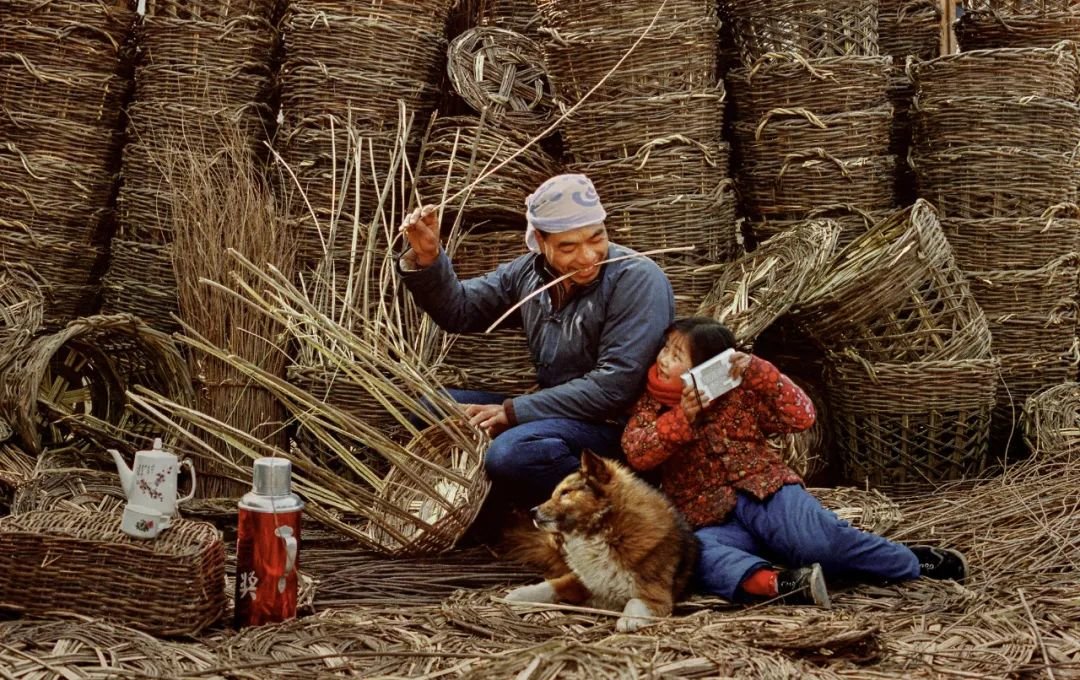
{"x":594,"y":469}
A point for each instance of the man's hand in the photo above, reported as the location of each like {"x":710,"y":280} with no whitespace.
{"x":692,"y":402}
{"x":740,"y":361}
{"x":421,"y":229}
{"x":490,"y":418}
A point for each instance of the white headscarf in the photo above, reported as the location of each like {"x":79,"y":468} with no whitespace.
{"x":562,"y":203}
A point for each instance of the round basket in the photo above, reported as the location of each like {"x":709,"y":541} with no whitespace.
{"x":909,"y":27}
{"x":981,"y":181}
{"x":808,"y":28}
{"x":1051,"y":420}
{"x":782,"y":133}
{"x":502,"y":73}
{"x":830,"y":85}
{"x":422,"y":523}
{"x":661,"y":168}
{"x":851,"y":220}
{"x":895,"y":294}
{"x":70,"y":490}
{"x":989,"y":30}
{"x":75,"y":379}
{"x":1013,"y":243}
{"x":480,"y":252}
{"x":1015,"y":72}
{"x":470,"y":361}
{"x":911,"y":424}
{"x":611,"y":127}
{"x":749,"y":294}
{"x":1045,"y":291}
{"x":1024,"y":122}
{"x":815,"y":178}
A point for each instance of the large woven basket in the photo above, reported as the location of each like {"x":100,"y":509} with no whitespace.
{"x":749,"y":294}
{"x":212,"y":10}
{"x":80,"y":562}
{"x":661,"y":168}
{"x":1030,"y":122}
{"x":783,"y":132}
{"x":1005,"y":7}
{"x":989,"y":30}
{"x":62,"y":33}
{"x":691,"y":279}
{"x":595,"y":14}
{"x":829,"y":85}
{"x":816,"y":178}
{"x":470,"y":358}
{"x":895,"y":294}
{"x":1013,"y":243}
{"x":1015,"y":72}
{"x":911,"y":424}
{"x":1023,"y":375}
{"x":1043,"y":292}
{"x":909,"y":27}
{"x":808,"y":28}
{"x":70,"y":490}
{"x":1051,"y":421}
{"x":1021,"y":333}
{"x":21,"y":308}
{"x":141,"y":281}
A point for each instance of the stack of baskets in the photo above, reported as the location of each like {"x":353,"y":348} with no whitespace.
{"x":519,"y":16}
{"x":201,"y":64}
{"x":990,"y":24}
{"x":813,"y":123}
{"x":649,"y":133}
{"x":63,"y":82}
{"x":911,"y":380}
{"x":979,"y":116}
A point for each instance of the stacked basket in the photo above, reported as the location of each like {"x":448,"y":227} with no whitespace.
{"x":649,"y":132}
{"x":1017,"y":23}
{"x":1016,"y":237}
{"x":63,"y":82}
{"x":516,"y":15}
{"x":813,"y":123}
{"x":201,"y":64}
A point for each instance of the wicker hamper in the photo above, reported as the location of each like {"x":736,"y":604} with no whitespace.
{"x":80,"y":562}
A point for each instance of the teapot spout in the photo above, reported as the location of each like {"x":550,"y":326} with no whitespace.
{"x":127,"y":477}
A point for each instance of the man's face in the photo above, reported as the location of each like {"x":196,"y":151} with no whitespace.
{"x":578,"y":250}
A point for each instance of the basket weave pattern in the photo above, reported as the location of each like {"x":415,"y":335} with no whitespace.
{"x":992,"y":30}
{"x":808,"y":28}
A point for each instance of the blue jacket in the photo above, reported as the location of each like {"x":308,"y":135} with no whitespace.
{"x":591,"y":356}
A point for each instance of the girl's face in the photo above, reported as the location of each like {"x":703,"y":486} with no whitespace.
{"x":674,"y":358}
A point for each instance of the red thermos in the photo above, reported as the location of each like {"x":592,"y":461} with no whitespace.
{"x":267,"y":546}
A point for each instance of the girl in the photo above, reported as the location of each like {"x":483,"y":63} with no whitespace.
{"x":747,"y":506}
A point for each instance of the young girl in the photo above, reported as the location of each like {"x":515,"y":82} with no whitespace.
{"x":749,"y":509}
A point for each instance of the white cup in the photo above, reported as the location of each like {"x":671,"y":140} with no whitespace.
{"x":139,"y":522}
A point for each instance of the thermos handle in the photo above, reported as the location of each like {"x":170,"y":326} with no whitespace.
{"x":191,"y":469}
{"x":290,"y":553}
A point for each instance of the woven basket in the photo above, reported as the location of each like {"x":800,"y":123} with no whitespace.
{"x":82,"y":563}
{"x":21,"y":309}
{"x":520,"y":16}
{"x":909,"y":27}
{"x":661,"y":168}
{"x":1051,"y":421}
{"x":338,"y":391}
{"x":595,"y":14}
{"x":141,"y":281}
{"x":783,"y":132}
{"x":1016,"y":72}
{"x":502,"y":73}
{"x":1023,"y":375}
{"x":1023,"y":333}
{"x":67,"y":93}
{"x":212,"y":10}
{"x":57,"y":42}
{"x":830,"y":85}
{"x":45,"y":175}
{"x":807,"y":452}
{"x":470,"y":358}
{"x":1013,"y":243}
{"x":917,"y":424}
{"x":808,"y":28}
{"x":895,"y":294}
{"x":816,"y":178}
{"x":851,"y":220}
{"x":422,"y":524}
{"x":749,"y":294}
{"x":480,"y":252}
{"x":987,"y":30}
{"x":982,"y":181}
{"x":691,"y":279}
{"x":79,"y":375}
{"x":1025,"y":122}
{"x":1005,"y":7}
{"x":1044,"y":292}
{"x":70,"y":490}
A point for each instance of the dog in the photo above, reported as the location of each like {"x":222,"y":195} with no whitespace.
{"x":609,"y":540}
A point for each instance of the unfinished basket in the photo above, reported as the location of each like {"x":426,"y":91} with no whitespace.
{"x":780,"y":133}
{"x":1015,"y":72}
{"x":990,"y":30}
{"x":807,"y":28}
{"x":1025,"y":122}
{"x":660,"y":168}
{"x":78,"y":377}
{"x":829,"y":85}
{"x":909,"y":27}
{"x":70,"y":490}
{"x":911,"y":424}
{"x":502,"y":73}
{"x":80,"y":562}
{"x":749,"y":294}
{"x":1051,"y":421}
{"x":1013,"y":243}
{"x":430,"y":509}
{"x":815,"y":178}
{"x":895,"y":294}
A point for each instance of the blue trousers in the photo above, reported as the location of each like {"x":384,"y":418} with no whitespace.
{"x":792,"y":528}
{"x":527,"y":462}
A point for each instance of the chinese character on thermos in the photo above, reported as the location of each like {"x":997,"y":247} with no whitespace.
{"x":267,"y":546}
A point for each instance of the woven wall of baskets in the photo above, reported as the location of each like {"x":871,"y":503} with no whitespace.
{"x":480,"y":252}
{"x":1051,"y":421}
{"x":911,"y":424}
{"x":81,"y":562}
{"x":667,"y":166}
{"x":520,"y":16}
{"x":468,"y":363}
{"x":1013,"y":243}
{"x":909,"y":27}
{"x":808,"y":28}
{"x":815,"y":178}
{"x":989,"y":30}
{"x":502,"y":73}
{"x":1028,"y":122}
{"x":460,"y":149}
{"x":70,"y":385}
{"x":1015,"y":72}
{"x":895,"y":294}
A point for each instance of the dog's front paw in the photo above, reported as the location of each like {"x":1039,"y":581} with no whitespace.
{"x":631,"y":619}
{"x":541,"y":593}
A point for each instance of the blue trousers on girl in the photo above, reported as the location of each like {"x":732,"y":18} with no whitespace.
{"x":792,"y":528}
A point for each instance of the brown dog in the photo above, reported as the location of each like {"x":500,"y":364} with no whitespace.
{"x":608,"y":539}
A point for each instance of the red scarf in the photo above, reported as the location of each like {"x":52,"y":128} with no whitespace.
{"x":667,"y":392}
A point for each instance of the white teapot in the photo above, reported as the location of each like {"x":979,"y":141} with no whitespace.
{"x":150,"y":487}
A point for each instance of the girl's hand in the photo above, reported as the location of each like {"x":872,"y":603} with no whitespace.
{"x":692,"y":402}
{"x":740,"y":361}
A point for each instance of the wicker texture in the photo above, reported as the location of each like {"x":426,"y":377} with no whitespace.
{"x":141,"y":280}
{"x":815,"y":178}
{"x":212,"y":10}
{"x":1030,"y":122}
{"x":895,"y":294}
{"x":851,"y":220}
{"x":1019,"y":6}
{"x":829,"y":85}
{"x":1015,"y":72}
{"x":502,"y":73}
{"x":469,"y":365}
{"x":989,"y":30}
{"x":1051,"y":421}
{"x":808,"y":28}
{"x":909,"y":27}
{"x":21,"y":309}
{"x":1023,"y":375}
{"x":1013,"y":243}
{"x":783,"y":133}
{"x":480,"y":252}
{"x":1044,"y":292}
{"x":520,"y":16}
{"x":595,"y":14}
{"x":911,"y":424}
{"x":70,"y":490}
{"x":808,"y":452}
{"x":663,"y":167}
{"x":82,"y":563}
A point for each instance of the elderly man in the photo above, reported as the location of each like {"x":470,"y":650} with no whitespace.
{"x":592,"y":336}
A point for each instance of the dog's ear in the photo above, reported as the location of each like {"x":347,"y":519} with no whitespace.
{"x":594,"y":469}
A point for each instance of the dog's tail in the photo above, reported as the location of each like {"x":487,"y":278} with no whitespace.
{"x":524,"y":543}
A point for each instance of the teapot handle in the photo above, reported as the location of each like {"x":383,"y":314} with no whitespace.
{"x":191,"y":469}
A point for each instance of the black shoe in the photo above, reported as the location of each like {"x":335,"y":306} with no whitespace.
{"x":803,"y":586}
{"x":940,"y":563}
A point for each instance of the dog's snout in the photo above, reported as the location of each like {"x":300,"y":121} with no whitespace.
{"x":535,"y":512}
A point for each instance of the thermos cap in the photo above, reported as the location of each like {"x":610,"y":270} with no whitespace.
{"x":271,"y":477}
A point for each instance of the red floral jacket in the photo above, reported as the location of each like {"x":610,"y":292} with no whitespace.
{"x":703,"y":463}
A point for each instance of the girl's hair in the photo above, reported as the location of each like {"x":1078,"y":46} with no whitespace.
{"x":706,"y":337}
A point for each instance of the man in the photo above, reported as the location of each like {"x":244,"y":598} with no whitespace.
{"x":592,"y":336}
